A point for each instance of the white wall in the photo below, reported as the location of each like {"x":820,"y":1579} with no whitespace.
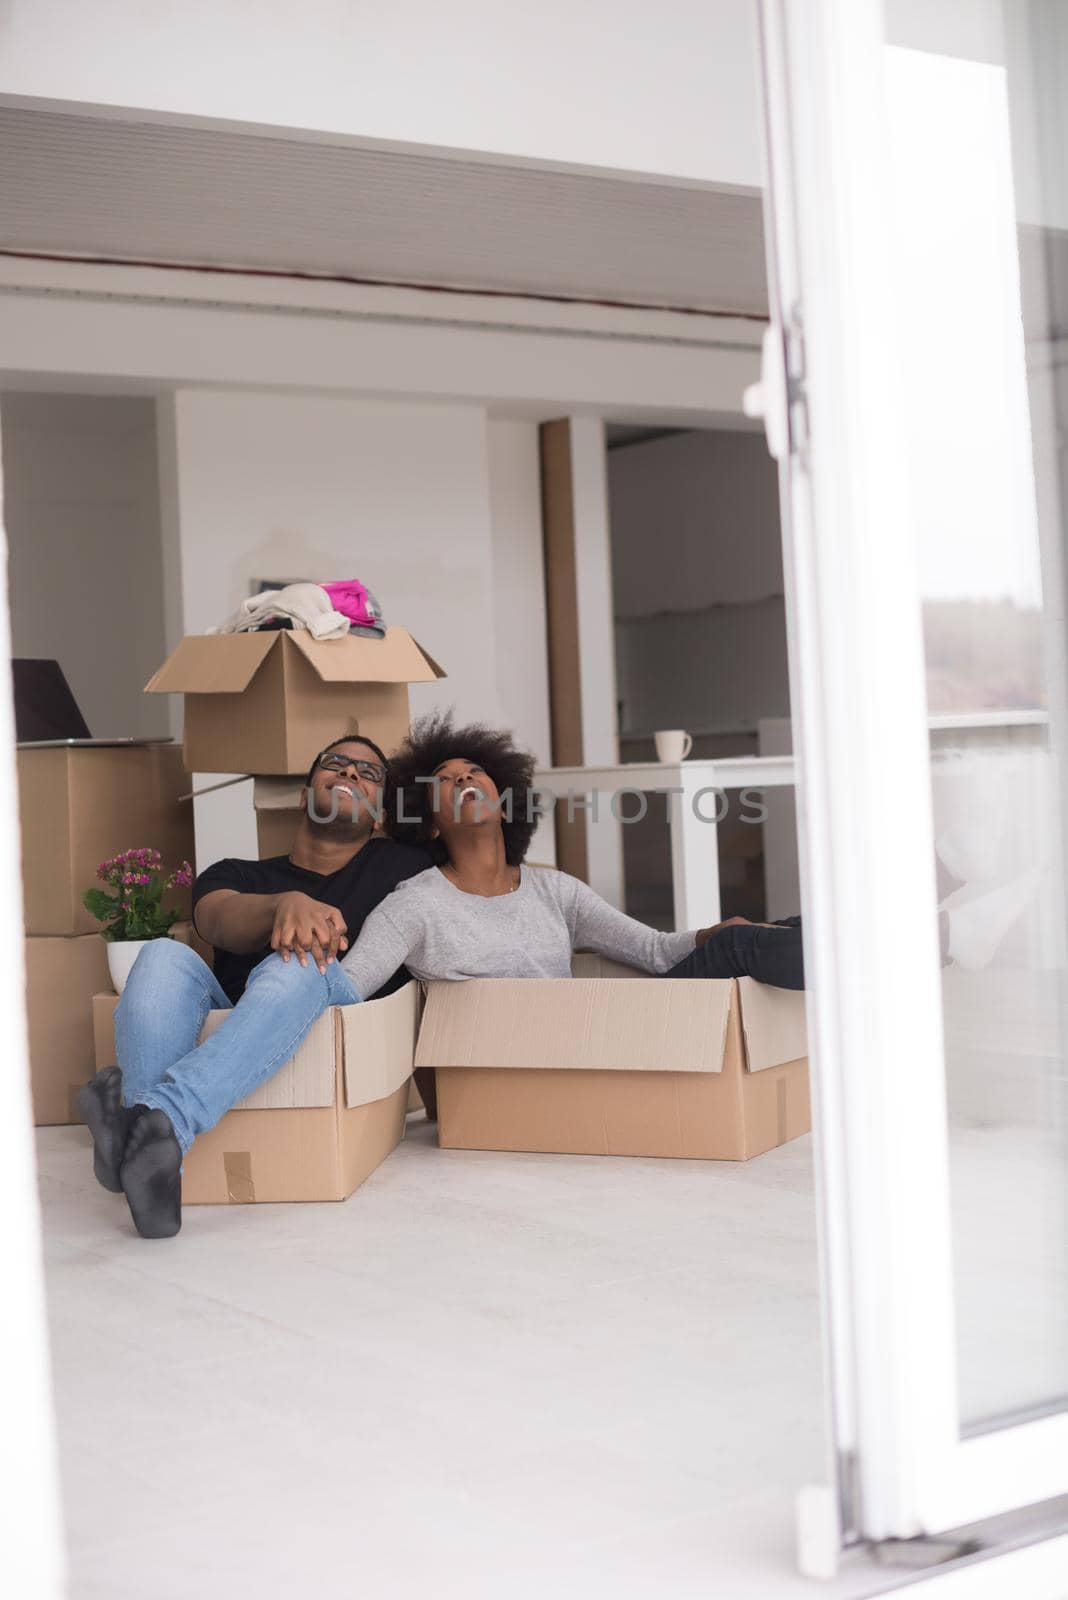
{"x":695,"y":522}
{"x":698,"y":585}
{"x":303,"y":487}
{"x":620,"y":85}
{"x":86,"y":579}
{"x":435,"y":509}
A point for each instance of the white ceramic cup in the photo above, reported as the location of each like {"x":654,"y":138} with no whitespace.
{"x":672,"y":744}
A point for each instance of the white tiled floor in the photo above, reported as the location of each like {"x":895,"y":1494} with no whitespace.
{"x":483,"y":1376}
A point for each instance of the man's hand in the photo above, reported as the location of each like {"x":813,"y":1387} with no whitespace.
{"x":706,"y":933}
{"x":731,"y":922}
{"x":303,"y":927}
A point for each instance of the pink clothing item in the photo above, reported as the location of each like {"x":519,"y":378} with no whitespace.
{"x":350,"y":597}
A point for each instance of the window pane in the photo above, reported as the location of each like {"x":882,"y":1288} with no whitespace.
{"x":976,"y":95}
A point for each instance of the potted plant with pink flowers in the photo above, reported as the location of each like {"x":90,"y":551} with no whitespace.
{"x":130,"y":905}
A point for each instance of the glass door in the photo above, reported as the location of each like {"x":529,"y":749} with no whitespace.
{"x":915,"y":392}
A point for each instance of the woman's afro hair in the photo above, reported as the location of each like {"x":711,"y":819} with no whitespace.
{"x":434,"y":739}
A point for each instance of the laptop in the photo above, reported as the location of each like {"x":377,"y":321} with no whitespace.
{"x":46,"y":712}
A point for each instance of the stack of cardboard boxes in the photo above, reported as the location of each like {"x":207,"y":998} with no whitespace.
{"x":266,"y":704}
{"x":78,"y":805}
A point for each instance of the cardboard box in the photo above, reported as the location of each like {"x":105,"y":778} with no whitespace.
{"x":276,"y":802}
{"x":80,"y":805}
{"x":321,"y":1125}
{"x":62,"y":975}
{"x":714,"y":1070}
{"x":269,"y":702}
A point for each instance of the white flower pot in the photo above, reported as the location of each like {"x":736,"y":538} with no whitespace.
{"x":122,"y":953}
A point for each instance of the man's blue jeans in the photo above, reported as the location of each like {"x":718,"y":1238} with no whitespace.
{"x":157,"y":1024}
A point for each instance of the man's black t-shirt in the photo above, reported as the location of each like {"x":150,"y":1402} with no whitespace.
{"x":355,"y":890}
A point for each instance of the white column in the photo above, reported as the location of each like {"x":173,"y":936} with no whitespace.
{"x":695,"y":849}
{"x":593,"y":583}
{"x":781,"y":872}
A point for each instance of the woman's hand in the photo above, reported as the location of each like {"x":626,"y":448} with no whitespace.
{"x":304,"y":926}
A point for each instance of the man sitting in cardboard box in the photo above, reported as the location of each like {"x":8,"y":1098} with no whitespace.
{"x":277,"y":927}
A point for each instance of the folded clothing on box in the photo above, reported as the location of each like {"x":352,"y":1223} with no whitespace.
{"x":326,"y":610}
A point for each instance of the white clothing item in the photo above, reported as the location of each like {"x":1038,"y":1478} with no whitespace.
{"x":307,"y":605}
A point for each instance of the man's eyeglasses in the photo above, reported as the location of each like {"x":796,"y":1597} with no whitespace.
{"x":330,"y":761}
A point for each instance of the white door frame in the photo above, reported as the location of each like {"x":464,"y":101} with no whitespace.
{"x":32,"y":1554}
{"x":875,"y":1017}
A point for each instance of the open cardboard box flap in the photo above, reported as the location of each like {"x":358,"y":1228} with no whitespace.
{"x":774,"y":1024}
{"x":377,"y":1041}
{"x":774,"y":1021}
{"x":276,"y":794}
{"x":372,"y":1043}
{"x":223,"y":663}
{"x":306,"y":1080}
{"x":397,"y":658}
{"x":226,"y":663}
{"x":646,"y":1024}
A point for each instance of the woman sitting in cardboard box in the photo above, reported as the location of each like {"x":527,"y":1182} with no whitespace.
{"x":465,"y":796}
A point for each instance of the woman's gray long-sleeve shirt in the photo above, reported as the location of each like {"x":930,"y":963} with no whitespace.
{"x":438,"y":931}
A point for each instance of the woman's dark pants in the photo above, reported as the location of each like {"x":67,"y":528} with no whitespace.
{"x":770,"y":955}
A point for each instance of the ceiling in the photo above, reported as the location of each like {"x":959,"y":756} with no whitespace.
{"x":116,"y":187}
